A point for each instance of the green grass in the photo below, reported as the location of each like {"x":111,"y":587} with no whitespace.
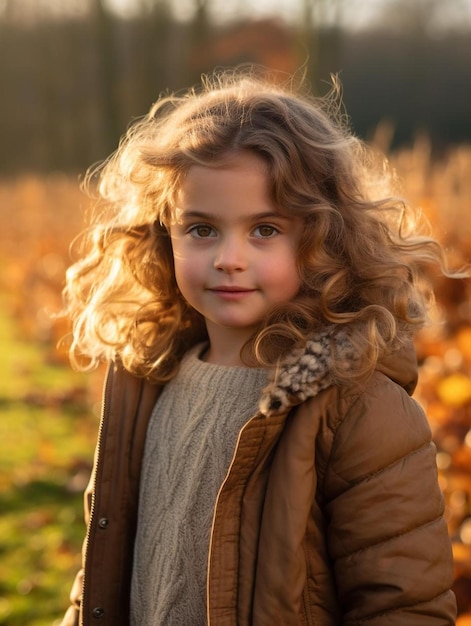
{"x":47,"y":434}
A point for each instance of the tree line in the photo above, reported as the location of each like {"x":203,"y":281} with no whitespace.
{"x":71,"y":84}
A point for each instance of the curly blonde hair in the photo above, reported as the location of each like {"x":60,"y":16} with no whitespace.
{"x":361,"y":260}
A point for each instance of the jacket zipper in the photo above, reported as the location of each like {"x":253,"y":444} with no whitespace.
{"x":236,"y":449}
{"x":97,"y":471}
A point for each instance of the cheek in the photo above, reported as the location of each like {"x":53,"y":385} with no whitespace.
{"x":291,"y":281}
{"x":181,"y":261}
{"x":188,"y":271}
{"x":284,"y":275}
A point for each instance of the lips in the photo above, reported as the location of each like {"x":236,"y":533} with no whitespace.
{"x":230,"y":289}
{"x":232,"y":292}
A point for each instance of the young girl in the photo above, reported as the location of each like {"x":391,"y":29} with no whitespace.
{"x":260,"y":460}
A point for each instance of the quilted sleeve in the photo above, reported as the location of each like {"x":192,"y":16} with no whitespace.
{"x":386,"y":532}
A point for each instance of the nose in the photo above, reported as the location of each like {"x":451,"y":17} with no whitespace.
{"x":231,"y":255}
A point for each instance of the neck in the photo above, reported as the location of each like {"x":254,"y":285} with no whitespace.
{"x":222,"y":357}
{"x":225,"y":345}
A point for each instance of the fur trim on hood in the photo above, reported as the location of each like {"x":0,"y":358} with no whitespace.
{"x":305,"y":372}
{"x":308,"y":370}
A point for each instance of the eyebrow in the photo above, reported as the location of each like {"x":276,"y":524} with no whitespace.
{"x":210,"y":216}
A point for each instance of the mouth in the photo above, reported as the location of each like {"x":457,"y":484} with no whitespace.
{"x":231,"y":292}
{"x":231,"y":289}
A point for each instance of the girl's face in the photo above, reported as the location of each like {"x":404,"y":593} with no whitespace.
{"x":234,"y":253}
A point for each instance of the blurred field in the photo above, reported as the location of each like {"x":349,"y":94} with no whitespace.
{"x":50,"y":415}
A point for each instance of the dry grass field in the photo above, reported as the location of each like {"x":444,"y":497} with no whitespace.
{"x":49,"y":414}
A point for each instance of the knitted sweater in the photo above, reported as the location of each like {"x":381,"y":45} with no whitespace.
{"x":190,"y":441}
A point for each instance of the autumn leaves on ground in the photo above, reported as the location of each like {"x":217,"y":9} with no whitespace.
{"x":49,"y":413}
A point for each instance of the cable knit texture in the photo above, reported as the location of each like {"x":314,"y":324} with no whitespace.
{"x":190,"y":442}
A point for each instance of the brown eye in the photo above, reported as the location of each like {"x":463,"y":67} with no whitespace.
{"x":265,"y":231}
{"x":202,"y":231}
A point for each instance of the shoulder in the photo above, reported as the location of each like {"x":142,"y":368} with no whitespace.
{"x":127,"y":396}
{"x":379,"y":404}
{"x":360,"y":431}
{"x":376,"y":428}
{"x":380,"y":407}
{"x":383,"y":409}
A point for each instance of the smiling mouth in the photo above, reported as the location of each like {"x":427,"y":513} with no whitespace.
{"x":231,"y":289}
{"x":231,"y":292}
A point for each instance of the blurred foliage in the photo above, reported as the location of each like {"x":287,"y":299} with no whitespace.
{"x":74,"y":73}
{"x":49,"y":413}
{"x":46,"y":432}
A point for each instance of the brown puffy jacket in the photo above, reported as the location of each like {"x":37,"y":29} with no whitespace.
{"x":330,"y":513}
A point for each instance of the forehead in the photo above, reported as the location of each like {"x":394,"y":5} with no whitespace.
{"x":244,"y":165}
{"x":239,"y":180}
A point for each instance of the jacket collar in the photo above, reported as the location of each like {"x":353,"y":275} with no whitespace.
{"x":307,"y":370}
